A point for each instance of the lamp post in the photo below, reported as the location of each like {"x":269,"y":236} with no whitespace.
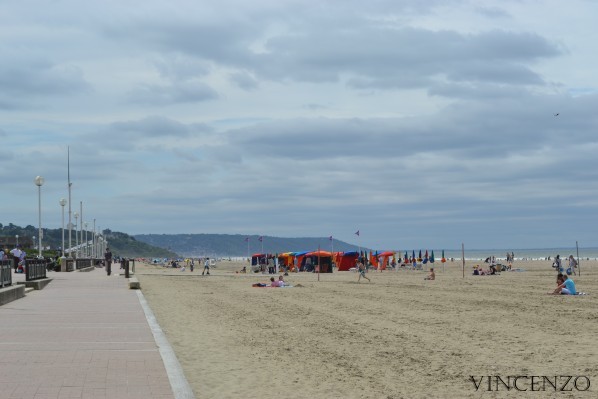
{"x":81,"y":226}
{"x":62,"y":203}
{"x":76,"y":216}
{"x":93,"y":245}
{"x":86,"y":242}
{"x":39,"y":181}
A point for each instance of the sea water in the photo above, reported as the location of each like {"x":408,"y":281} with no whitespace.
{"x":520,"y":254}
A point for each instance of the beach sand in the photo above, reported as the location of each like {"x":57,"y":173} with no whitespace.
{"x":396,"y":337}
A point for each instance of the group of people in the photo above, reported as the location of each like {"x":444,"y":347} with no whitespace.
{"x":479,"y":271}
{"x":573,"y":265}
{"x":275,"y":283}
{"x":17,"y":255}
{"x":190,"y":263}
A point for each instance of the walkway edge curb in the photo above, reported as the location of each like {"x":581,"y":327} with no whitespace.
{"x":180,"y":386}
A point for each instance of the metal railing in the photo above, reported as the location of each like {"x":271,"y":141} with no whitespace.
{"x":69,"y":265}
{"x":35,"y":269}
{"x":6,"y":273}
{"x":83,"y":263}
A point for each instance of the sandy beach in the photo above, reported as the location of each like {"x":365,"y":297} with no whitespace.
{"x":396,"y":337}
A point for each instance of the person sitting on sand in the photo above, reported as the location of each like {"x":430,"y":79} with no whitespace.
{"x":281,"y":282}
{"x":361,"y":271}
{"x":274,"y":282}
{"x":432,"y":275}
{"x":243,"y":270}
{"x":476,"y":270}
{"x":567,"y":287}
{"x":559,"y":280}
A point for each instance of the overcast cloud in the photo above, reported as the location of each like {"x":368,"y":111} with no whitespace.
{"x":421,"y":124}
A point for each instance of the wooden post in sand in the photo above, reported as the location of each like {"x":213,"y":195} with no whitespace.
{"x":318,"y":263}
{"x":463,"y":257}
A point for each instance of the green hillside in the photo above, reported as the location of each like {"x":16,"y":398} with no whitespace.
{"x":235,"y":245}
{"x":121,"y":244}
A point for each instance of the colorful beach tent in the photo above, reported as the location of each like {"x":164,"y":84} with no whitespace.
{"x":258,"y":259}
{"x":315,"y":258}
{"x":383,"y":259}
{"x":346,"y":261}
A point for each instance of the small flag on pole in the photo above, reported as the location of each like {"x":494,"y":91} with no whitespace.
{"x":261,"y":238}
{"x":246,"y":239}
{"x":357,"y":233}
{"x":330,"y":238}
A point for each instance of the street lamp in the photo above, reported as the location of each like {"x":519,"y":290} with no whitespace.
{"x":39,"y":181}
{"x":62,"y":203}
{"x":86,"y":242}
{"x":76,"y":216}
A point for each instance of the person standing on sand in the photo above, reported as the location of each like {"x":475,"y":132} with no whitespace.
{"x":572,"y":264}
{"x":108,"y":260}
{"x":206,"y":266}
{"x":361,"y":271}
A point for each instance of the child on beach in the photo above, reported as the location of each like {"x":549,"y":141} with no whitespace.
{"x":206,"y":266}
{"x":361,"y":271}
{"x":432,"y":275}
{"x":281,"y":282}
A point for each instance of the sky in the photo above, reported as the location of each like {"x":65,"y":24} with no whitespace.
{"x":420,"y":124}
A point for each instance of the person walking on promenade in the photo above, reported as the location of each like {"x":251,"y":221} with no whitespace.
{"x":108,"y":261}
{"x":206,"y":267}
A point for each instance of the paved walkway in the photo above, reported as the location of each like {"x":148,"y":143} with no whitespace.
{"x":85,"y":335}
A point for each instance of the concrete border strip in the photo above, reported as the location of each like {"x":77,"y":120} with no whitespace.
{"x":179,"y":384}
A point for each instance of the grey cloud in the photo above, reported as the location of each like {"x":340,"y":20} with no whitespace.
{"x":362,"y":51}
{"x":405,"y":57}
{"x":42,"y":78}
{"x":493,"y":12}
{"x":150,"y":127}
{"x":175,"y":93}
{"x":178,"y":67}
{"x":244,"y":80}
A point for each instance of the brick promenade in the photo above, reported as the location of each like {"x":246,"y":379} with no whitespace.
{"x":84,"y":335}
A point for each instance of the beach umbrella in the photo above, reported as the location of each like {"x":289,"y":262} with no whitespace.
{"x":406,"y":257}
{"x":413,"y":254}
{"x":426,"y":257}
{"x":432,"y":257}
{"x":443,"y":260}
{"x":419,"y":258}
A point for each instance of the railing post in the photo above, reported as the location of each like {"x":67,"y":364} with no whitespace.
{"x":126,"y":267}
